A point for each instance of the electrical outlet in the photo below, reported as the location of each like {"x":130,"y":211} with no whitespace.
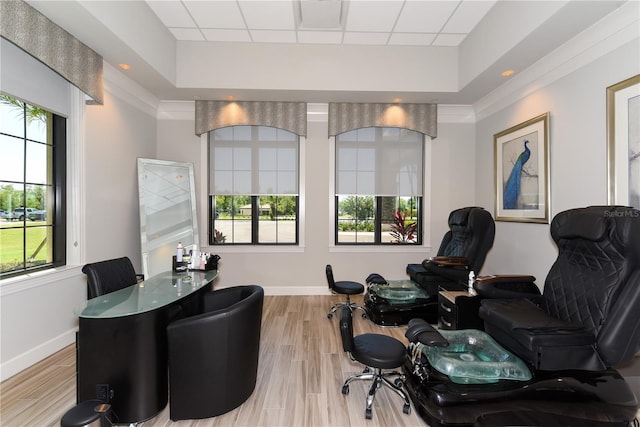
{"x":102,"y":392}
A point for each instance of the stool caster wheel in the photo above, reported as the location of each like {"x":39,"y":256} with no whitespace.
{"x":345,"y":389}
{"x":406,"y":409}
{"x":364,"y":315}
{"x":398,"y":383}
{"x":329,"y":316}
{"x":368,"y":414}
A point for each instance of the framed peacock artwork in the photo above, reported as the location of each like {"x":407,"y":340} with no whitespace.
{"x":623,"y":135}
{"x":522,"y":171}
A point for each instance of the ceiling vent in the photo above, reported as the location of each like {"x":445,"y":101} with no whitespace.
{"x":321,"y":14}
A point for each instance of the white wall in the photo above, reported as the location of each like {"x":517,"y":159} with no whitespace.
{"x":577,"y":155}
{"x":117,"y":134}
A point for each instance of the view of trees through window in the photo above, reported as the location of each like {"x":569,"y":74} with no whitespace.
{"x":26,"y":186}
{"x":378,"y":219}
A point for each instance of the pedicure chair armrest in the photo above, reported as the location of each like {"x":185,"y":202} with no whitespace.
{"x":448,"y":261}
{"x":507,"y":286}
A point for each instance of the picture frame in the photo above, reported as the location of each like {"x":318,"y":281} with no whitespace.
{"x":522,"y":172}
{"x":623,"y":142}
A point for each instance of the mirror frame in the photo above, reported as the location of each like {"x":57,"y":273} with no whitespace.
{"x":158,"y":249}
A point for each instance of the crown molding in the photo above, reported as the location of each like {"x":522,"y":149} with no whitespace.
{"x":176,"y":110}
{"x":456,"y":113}
{"x":122,"y":87}
{"x":611,"y":32}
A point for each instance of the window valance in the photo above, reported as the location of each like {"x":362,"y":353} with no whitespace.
{"x":348,"y":116}
{"x":41,"y":38}
{"x":211,"y":115}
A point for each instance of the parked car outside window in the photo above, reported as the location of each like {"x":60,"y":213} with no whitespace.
{"x":19,"y":213}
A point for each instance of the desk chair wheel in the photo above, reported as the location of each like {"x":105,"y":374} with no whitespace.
{"x":330,"y":315}
{"x":406,"y":409}
{"x":368,"y":413}
{"x":345,"y":389}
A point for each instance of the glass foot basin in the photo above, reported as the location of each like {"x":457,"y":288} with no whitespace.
{"x":473,"y":357}
{"x":399,"y":291}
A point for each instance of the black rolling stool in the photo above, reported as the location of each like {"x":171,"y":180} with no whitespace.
{"x":376,"y":352}
{"x":88,"y":413}
{"x":344,"y":287}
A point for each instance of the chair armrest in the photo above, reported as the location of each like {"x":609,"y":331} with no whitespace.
{"x":448,"y":261}
{"x":505,"y":278}
{"x":506,"y":286}
{"x":421,"y":331}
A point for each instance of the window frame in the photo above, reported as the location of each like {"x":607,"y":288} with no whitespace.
{"x":423,"y":243}
{"x":255,"y":217}
{"x":57,"y":138}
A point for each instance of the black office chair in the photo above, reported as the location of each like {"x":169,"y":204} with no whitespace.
{"x":344,"y":287}
{"x":377,"y":352}
{"x":108,"y":276}
{"x":213,"y":356}
{"x":572,"y":336}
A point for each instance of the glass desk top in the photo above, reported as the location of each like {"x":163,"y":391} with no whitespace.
{"x":155,"y":292}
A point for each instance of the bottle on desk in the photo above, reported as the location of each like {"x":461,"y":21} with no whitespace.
{"x":179,"y":252}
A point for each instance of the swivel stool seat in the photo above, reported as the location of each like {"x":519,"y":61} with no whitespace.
{"x":344,"y":287}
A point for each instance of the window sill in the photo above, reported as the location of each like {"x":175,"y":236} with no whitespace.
{"x":38,"y":278}
{"x":417,"y":249}
{"x":253,"y":249}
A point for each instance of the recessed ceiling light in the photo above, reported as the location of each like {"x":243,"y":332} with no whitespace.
{"x":507,"y":73}
{"x":397,"y":100}
{"x":125,"y":66}
{"x":230,"y":98}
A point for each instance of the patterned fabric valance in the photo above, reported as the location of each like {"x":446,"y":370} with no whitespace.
{"x":211,"y":115}
{"x":37,"y":35}
{"x":348,"y":116}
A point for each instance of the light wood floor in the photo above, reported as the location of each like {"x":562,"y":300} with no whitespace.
{"x":300,"y":375}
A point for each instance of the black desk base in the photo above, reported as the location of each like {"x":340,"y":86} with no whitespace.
{"x":123,"y":360}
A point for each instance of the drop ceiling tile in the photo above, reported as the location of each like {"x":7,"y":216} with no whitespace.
{"x":467,"y":16}
{"x":424,"y":17}
{"x":226,"y":35}
{"x":448,"y":39}
{"x":365,"y":38}
{"x":272,"y":36}
{"x":268,"y":15}
{"x":372,"y":16}
{"x":320,"y":37}
{"x":171,"y":13}
{"x":215,"y":14}
{"x":192,"y":34}
{"x":412,"y":39}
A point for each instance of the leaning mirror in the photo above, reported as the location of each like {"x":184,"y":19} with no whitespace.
{"x":167,"y":212}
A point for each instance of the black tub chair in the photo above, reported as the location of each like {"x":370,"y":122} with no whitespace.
{"x":213,"y":356}
{"x":463,"y":249}
{"x":570,"y":337}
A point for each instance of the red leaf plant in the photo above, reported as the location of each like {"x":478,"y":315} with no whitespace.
{"x":401,"y":229}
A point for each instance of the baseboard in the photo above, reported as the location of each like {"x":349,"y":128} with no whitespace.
{"x":35,"y":355}
{"x":296,"y":290}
